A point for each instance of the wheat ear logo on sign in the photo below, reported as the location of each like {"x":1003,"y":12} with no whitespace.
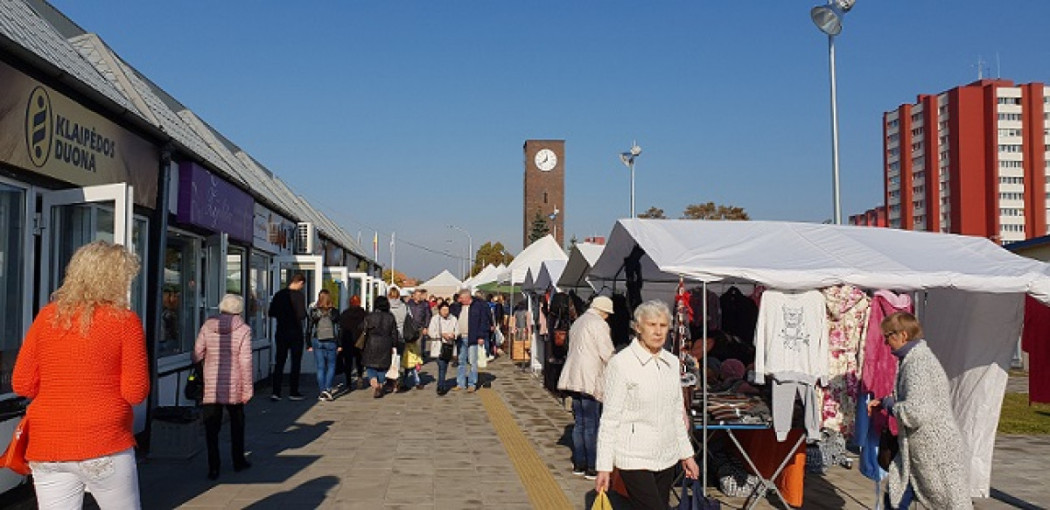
{"x":39,"y":133}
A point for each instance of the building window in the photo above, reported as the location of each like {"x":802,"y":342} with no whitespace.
{"x":1009,"y":147}
{"x":1010,"y":100}
{"x":179,"y":317}
{"x":545,"y":197}
{"x":1009,"y":116}
{"x":1009,"y":132}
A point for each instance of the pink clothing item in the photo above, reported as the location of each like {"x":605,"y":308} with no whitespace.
{"x":879,"y":366}
{"x":848,"y":309}
{"x":224,"y":344}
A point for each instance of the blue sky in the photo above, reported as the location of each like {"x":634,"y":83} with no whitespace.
{"x":409,"y":116}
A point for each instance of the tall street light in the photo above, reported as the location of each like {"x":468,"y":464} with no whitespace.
{"x":470,"y":250}
{"x":554,"y":216}
{"x":628,"y":160}
{"x":828,"y":19}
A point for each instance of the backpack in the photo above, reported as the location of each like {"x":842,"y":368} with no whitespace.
{"x":409,"y":332}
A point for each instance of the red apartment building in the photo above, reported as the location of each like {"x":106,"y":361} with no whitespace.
{"x":971,"y":160}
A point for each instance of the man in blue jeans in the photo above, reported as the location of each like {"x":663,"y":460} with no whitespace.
{"x":474,"y":324}
{"x":589,"y":350}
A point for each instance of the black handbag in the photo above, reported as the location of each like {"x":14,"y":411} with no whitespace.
{"x":194,"y":389}
{"x":889,"y":447}
{"x":446,"y":352}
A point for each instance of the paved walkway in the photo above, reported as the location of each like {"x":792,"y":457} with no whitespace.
{"x":505,"y":447}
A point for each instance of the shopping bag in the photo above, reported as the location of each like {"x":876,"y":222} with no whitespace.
{"x":194,"y":389}
{"x":14,"y":457}
{"x":692,"y":497}
{"x":395,"y":367}
{"x":483,"y":360}
{"x":601,"y":502}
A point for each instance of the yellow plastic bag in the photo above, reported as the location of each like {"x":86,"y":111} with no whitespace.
{"x":601,"y":502}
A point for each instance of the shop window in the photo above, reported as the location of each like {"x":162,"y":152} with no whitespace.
{"x":179,"y":321}
{"x":257,"y":301}
{"x":12,"y":270}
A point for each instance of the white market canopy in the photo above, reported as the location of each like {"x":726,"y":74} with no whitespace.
{"x":581,"y":258}
{"x":550,"y":271}
{"x":797,"y":256}
{"x":486,"y":275}
{"x":545,"y":248}
{"x":444,"y":284}
{"x":971,"y":313}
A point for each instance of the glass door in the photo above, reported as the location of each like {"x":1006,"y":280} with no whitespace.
{"x":312,"y":267}
{"x":337,"y":283}
{"x":76,"y":217}
{"x":356,"y":285}
{"x":215,"y":272}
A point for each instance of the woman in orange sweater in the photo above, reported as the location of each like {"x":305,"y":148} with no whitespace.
{"x":83,"y":364}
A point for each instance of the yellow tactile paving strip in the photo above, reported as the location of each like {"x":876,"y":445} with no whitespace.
{"x":544,"y":492}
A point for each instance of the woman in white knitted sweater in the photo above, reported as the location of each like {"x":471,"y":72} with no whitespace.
{"x":929,"y":466}
{"x":643,"y":429}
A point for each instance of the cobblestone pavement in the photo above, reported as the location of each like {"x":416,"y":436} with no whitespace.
{"x":417,"y":450}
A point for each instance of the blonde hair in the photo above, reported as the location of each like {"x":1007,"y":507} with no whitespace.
{"x":99,"y":274}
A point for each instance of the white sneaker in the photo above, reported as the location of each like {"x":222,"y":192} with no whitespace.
{"x":326,"y":395}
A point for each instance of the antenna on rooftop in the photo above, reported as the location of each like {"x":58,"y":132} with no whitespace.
{"x":998,"y":67}
{"x":980,"y":68}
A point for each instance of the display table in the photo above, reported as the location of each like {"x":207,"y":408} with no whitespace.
{"x":781,"y":466}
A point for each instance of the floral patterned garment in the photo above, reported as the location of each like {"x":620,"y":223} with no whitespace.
{"x":848,"y":309}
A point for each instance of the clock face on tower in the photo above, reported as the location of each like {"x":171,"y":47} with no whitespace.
{"x":546,"y":160}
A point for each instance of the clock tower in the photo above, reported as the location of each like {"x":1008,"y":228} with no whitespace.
{"x":544,"y":187}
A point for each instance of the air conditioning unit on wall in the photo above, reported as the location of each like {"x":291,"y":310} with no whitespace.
{"x":305,"y":238}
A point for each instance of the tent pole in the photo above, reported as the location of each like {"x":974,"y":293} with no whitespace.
{"x":703,"y":372}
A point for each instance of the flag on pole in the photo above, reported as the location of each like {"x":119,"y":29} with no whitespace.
{"x":375,"y":246}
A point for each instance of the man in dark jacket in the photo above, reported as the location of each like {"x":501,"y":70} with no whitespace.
{"x":288,"y":307}
{"x":474,"y":328}
{"x":351,"y":324}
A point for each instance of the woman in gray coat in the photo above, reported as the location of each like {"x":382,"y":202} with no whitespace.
{"x":929,"y":465}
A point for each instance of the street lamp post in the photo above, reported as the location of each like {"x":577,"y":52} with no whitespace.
{"x":554,"y":216}
{"x":470,"y":251}
{"x":828,"y":19}
{"x":628,"y":159}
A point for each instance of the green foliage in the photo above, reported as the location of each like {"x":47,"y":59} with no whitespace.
{"x":654,"y":213}
{"x":490,"y":253}
{"x":1018,"y":417}
{"x":399,"y":277}
{"x":540,"y":228}
{"x":711,"y":211}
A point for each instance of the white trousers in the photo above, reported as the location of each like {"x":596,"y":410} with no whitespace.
{"x":112,"y":479}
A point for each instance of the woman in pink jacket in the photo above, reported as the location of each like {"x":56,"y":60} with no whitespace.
{"x":224,"y":345}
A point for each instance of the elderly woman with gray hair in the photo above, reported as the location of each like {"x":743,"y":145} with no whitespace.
{"x":643,"y":425}
{"x":224,"y":345}
{"x":929,"y":465}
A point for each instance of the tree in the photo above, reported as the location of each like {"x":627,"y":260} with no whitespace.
{"x":490,"y":253}
{"x":399,"y":277}
{"x":540,"y":228}
{"x":710,"y":211}
{"x":654,"y":213}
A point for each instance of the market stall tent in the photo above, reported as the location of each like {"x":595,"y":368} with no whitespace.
{"x":581,"y":258}
{"x":970,"y":290}
{"x":444,"y":284}
{"x":550,"y":271}
{"x":545,"y":248}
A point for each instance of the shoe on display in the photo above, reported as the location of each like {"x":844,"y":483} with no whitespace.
{"x":295,"y":396}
